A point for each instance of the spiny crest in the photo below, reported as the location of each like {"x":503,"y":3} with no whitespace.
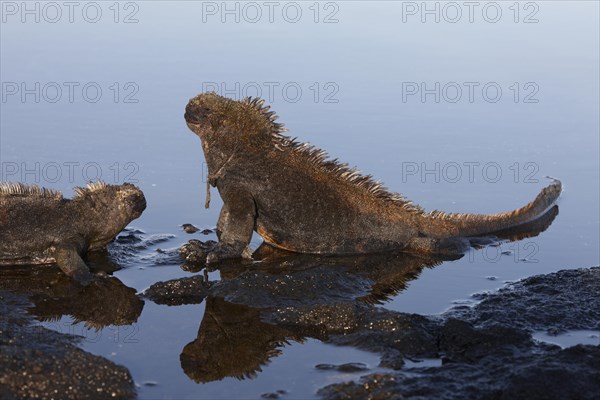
{"x":352,"y":174}
{"x":90,"y":188}
{"x":259,"y":105}
{"x":19,"y":189}
{"x":319,"y":157}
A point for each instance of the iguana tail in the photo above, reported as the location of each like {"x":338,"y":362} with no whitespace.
{"x":465,"y":225}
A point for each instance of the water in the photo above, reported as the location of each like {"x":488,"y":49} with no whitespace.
{"x":570,"y":338}
{"x":357,"y":77}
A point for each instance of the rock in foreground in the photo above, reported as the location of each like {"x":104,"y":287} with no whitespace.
{"x":36,"y":362}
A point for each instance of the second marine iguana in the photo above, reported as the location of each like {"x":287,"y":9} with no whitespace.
{"x":298,"y":199}
{"x":39,"y":226}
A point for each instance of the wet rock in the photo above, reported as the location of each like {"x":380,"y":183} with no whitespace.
{"x":572,"y":373}
{"x":578,"y":365}
{"x":487,"y":350}
{"x":194,"y":252}
{"x":375,"y":386}
{"x":462,"y":342}
{"x":392,"y":359}
{"x":36,"y":362}
{"x":274,"y":395}
{"x":316,"y":286}
{"x":564,"y":300}
{"x":348,"y":367}
{"x":362,"y":326}
{"x":190,"y":290}
{"x":319,"y":321}
{"x":189,"y":228}
{"x":380,"y":329}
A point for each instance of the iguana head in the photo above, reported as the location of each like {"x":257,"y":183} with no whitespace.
{"x":225,"y":125}
{"x":108,"y":209}
{"x":231,"y":131}
{"x":211,"y":116}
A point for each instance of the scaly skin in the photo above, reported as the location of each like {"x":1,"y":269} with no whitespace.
{"x":299,"y":200}
{"x":39,"y":226}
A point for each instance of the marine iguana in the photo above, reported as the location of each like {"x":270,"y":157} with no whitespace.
{"x":39,"y":226}
{"x":298,"y":199}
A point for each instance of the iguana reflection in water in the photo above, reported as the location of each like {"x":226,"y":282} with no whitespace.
{"x":105,"y":301}
{"x":334,"y":295}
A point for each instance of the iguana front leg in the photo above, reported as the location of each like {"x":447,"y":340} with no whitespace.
{"x":235,"y":226}
{"x":70,"y":262}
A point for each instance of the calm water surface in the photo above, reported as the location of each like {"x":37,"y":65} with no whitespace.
{"x":364,"y":88}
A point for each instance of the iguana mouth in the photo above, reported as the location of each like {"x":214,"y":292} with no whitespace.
{"x":140,"y":206}
{"x":195,"y":115}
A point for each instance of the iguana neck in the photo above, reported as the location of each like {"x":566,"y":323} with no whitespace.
{"x":217,"y":168}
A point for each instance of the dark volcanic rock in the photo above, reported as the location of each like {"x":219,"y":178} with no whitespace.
{"x":568,"y":299}
{"x":459,"y":341}
{"x":362,"y":326}
{"x":347,"y":367}
{"x":488,"y":353}
{"x":194,"y":251}
{"x":190,"y":290}
{"x":573,"y":373}
{"x":189,"y":228}
{"x":320,"y":285}
{"x":578,"y":365}
{"x":39,"y":363}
